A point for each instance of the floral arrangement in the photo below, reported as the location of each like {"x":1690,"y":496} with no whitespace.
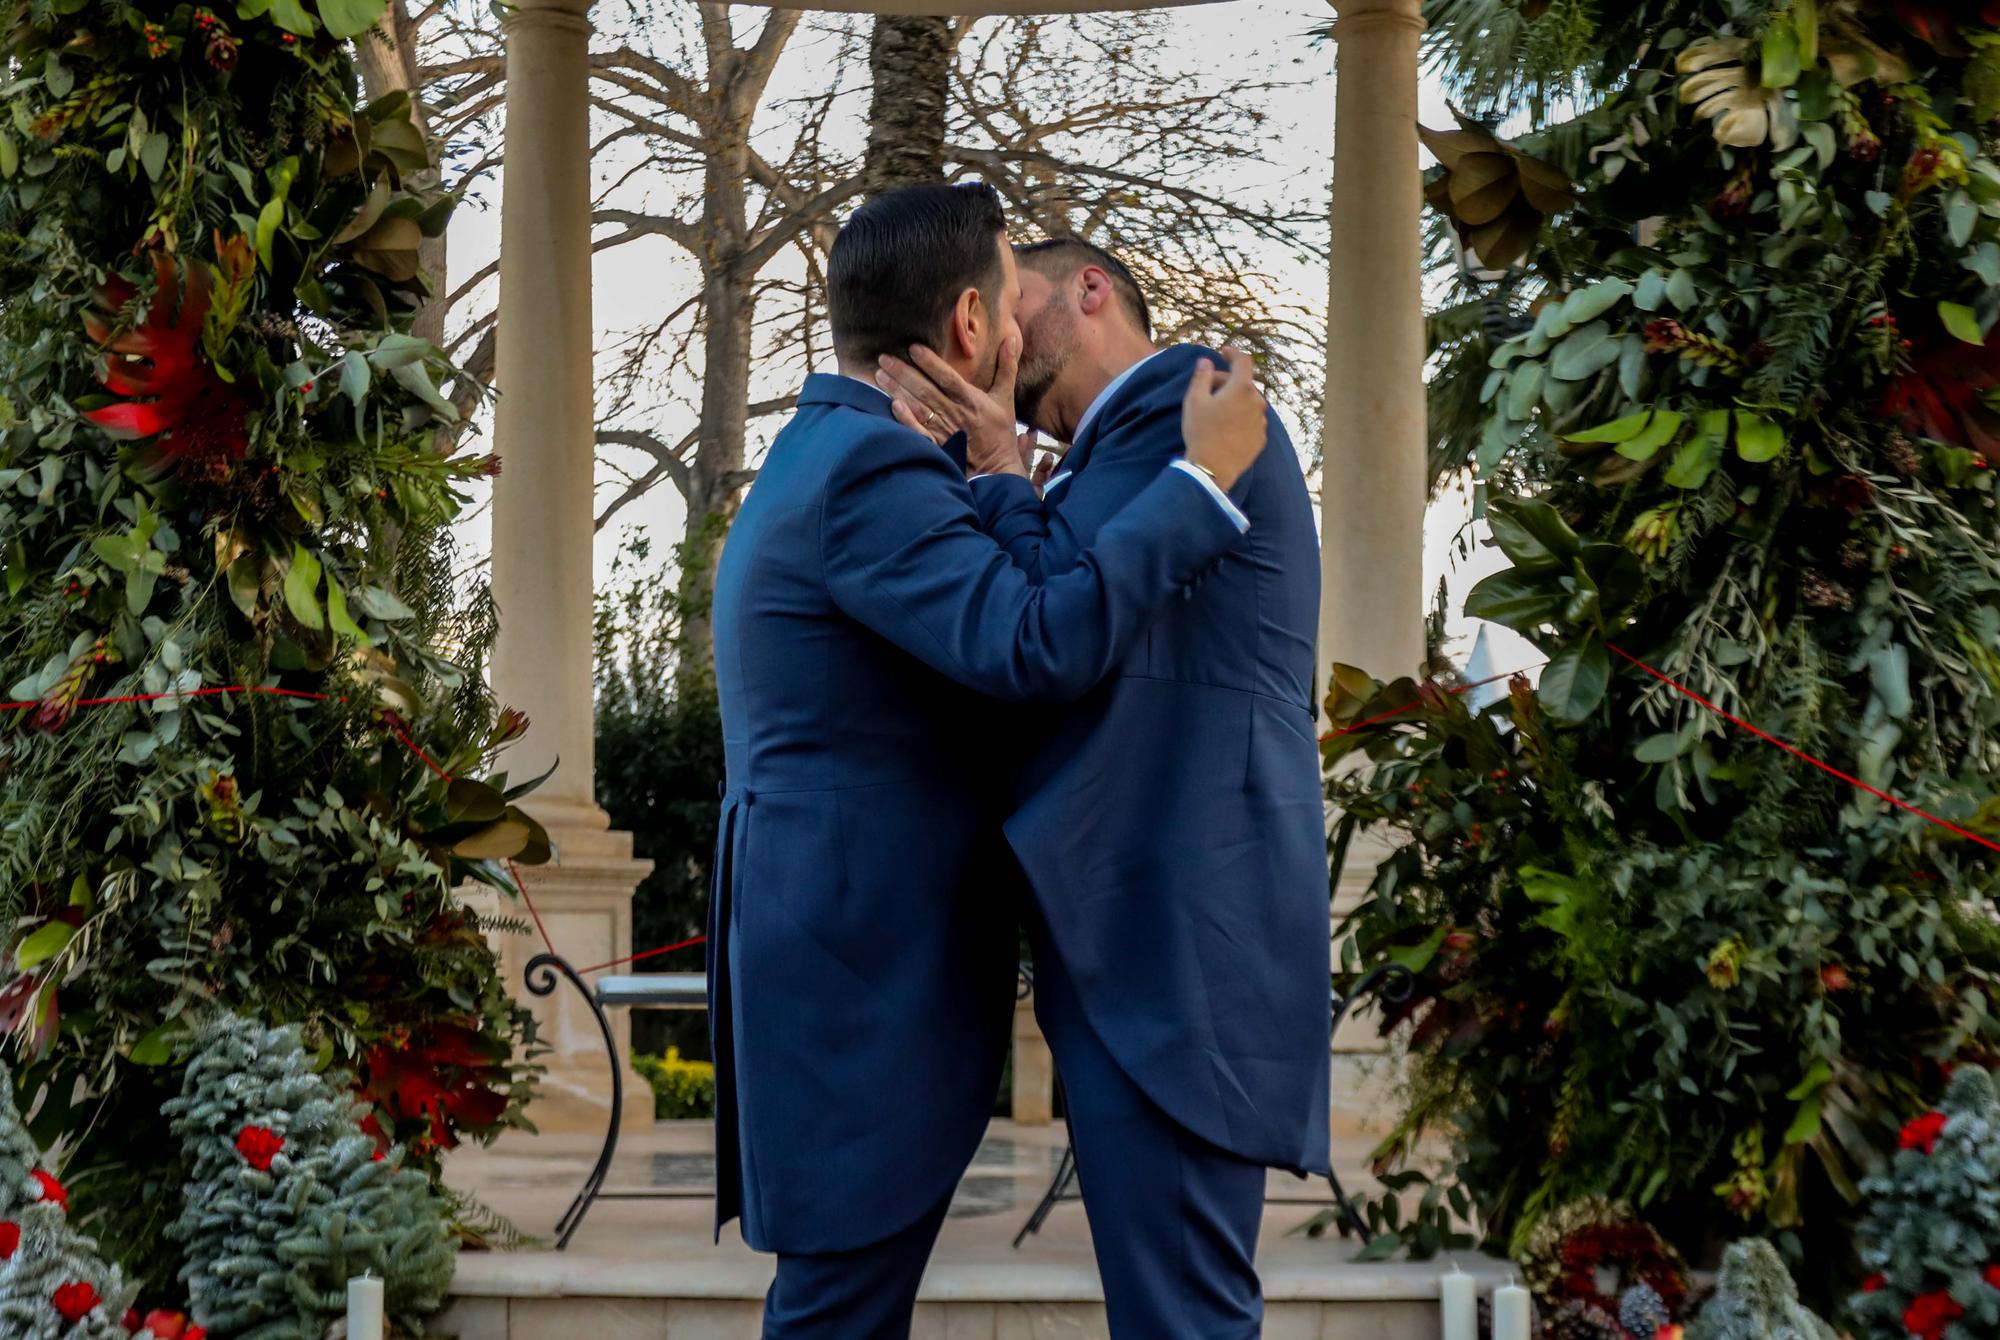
{"x":1731,"y":422}
{"x":1593,"y":1257}
{"x":1929,"y":1241}
{"x":255,"y":757}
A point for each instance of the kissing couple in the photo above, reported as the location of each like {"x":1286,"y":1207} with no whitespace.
{"x":957,"y":704}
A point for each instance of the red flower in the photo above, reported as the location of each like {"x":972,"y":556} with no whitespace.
{"x":259,"y":1145}
{"x":1874,"y":1283}
{"x":1939,"y":394}
{"x":130,"y":1321}
{"x":1991,"y":1275}
{"x":164,"y":1325}
{"x":1834,"y":977}
{"x":10,"y":1239}
{"x":49,"y":1189}
{"x":1928,"y":1316}
{"x":1923,"y":1132}
{"x":1939,"y":22}
{"x":75,"y":1301}
{"x":176,"y":396}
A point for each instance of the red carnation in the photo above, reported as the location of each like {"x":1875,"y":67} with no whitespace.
{"x":10,"y":1239}
{"x":75,"y":1301}
{"x":130,"y":1321}
{"x":164,"y":1325}
{"x":1923,"y":1132}
{"x":1928,"y":1316}
{"x":1874,"y":1283}
{"x":49,"y":1189}
{"x":259,"y":1145}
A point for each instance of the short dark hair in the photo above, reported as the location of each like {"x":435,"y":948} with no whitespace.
{"x":899,"y":265}
{"x":1061,"y":257}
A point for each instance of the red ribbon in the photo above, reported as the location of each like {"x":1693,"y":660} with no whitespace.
{"x":1730,"y":717}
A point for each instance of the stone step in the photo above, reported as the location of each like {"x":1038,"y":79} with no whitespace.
{"x":546,"y":1296}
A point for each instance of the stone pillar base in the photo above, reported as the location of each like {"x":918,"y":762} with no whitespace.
{"x":1034,"y":1069}
{"x":585,"y":901}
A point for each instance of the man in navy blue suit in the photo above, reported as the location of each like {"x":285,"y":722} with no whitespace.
{"x":863,"y":922}
{"x":1170,"y":821}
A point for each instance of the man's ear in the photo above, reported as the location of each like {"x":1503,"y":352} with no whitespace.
{"x":1093,"y":290}
{"x":968,"y":319}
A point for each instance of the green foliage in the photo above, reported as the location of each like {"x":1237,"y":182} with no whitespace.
{"x":1931,"y":1239}
{"x":288,"y":1197}
{"x":659,"y":773}
{"x":48,"y":1255}
{"x":1743,"y":437}
{"x":1755,"y":1299}
{"x":681,"y":1088}
{"x":224,"y":462}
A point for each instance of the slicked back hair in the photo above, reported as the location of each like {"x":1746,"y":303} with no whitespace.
{"x":899,"y":265}
{"x":1060,"y":257}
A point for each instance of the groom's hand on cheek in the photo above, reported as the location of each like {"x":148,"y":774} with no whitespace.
{"x":934,"y":399}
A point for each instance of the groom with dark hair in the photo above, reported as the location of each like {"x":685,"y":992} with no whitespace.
{"x":862,"y":928}
{"x":1170,"y":821}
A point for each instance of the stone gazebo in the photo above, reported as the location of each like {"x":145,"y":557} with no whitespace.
{"x":1372,"y":497}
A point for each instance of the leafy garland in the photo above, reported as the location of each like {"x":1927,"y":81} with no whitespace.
{"x":225,"y":464}
{"x":1754,"y":361}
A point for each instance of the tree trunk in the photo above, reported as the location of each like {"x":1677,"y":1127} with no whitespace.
{"x":715,"y":474}
{"x":910,"y":63}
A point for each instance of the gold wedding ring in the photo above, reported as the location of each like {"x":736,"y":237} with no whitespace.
{"x":932,"y":421}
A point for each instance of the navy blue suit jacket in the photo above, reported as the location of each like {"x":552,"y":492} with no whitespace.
{"x":863,"y":919}
{"x":1171,"y":822}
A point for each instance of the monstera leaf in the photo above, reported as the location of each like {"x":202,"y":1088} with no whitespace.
{"x":1495,"y":195}
{"x":1722,"y":88}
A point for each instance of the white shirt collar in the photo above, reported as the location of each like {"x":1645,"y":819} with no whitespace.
{"x":1110,"y":390}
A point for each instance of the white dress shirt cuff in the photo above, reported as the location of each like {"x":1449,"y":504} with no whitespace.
{"x":1202,"y":477}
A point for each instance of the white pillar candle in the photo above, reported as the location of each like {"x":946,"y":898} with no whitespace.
{"x":1510,"y":1313}
{"x":364,"y":1308}
{"x":1458,"y":1298}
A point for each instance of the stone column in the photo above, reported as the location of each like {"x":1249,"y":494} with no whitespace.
{"x":1372,"y":475}
{"x":1034,"y":1069}
{"x":542,"y":533}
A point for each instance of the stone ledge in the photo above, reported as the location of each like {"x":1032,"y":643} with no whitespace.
{"x":548,"y":1275}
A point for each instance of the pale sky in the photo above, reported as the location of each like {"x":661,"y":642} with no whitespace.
{"x":638,"y":283}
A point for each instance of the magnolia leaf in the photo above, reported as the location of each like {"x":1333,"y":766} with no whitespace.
{"x":1779,"y":63}
{"x":1805,"y":1125}
{"x":1696,"y":461}
{"x":1418,"y":957}
{"x":1961,"y":321}
{"x":469,"y":799}
{"x":497,"y":841}
{"x":43,"y":943}
{"x":1817,"y":1076}
{"x":302,"y":588}
{"x":292,"y":17}
{"x":345,"y":19}
{"x":1515,"y":599}
{"x":157,"y":1047}
{"x":339,"y":619}
{"x":1574,"y":681}
{"x":1532,"y":533}
{"x":1644,"y":445}
{"x":1758,"y":439}
{"x":1618,"y":430}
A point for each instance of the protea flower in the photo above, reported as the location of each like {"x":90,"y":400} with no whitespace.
{"x":200,"y":421}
